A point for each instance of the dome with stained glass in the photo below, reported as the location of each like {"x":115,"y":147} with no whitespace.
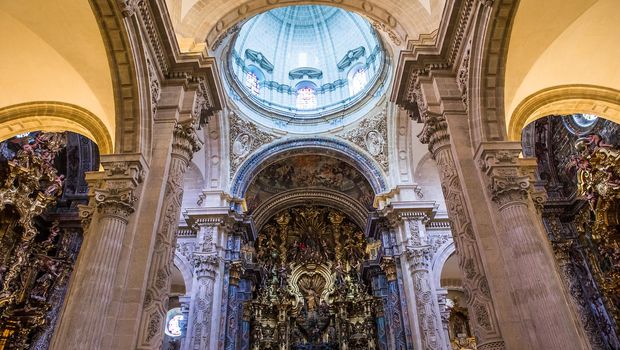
{"x":306,"y":65}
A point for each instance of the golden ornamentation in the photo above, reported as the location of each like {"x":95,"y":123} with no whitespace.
{"x":30,"y":270}
{"x":312,"y":294}
{"x":598,"y":181}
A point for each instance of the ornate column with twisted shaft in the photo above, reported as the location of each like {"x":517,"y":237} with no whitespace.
{"x":113,"y":195}
{"x":478,"y":297}
{"x":185,"y":143}
{"x":538,"y":293}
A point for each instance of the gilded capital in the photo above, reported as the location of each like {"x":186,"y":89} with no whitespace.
{"x":235,"y":270}
{"x":388,"y":265}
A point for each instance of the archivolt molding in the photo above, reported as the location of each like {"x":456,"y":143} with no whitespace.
{"x":439,"y":259}
{"x":353,"y":208}
{"x":131,"y":120}
{"x":562,"y":100}
{"x":380,"y":18}
{"x":186,"y":269}
{"x":307,"y":145}
{"x":54,"y":116}
{"x":490,"y":37}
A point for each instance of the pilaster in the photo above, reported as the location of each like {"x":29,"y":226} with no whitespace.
{"x":184,"y":144}
{"x":209,"y":270}
{"x":417,"y":252}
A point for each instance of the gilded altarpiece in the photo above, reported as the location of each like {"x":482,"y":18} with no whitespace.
{"x":311,"y":294}
{"x":40,"y":233}
{"x":578,"y":167}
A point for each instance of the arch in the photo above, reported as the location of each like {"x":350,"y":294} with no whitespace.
{"x":353,"y":208}
{"x":562,"y":100}
{"x":54,"y":116}
{"x":308,"y":145}
{"x":186,"y":270}
{"x":204,"y":21}
{"x":439,"y":259}
{"x":517,"y":52}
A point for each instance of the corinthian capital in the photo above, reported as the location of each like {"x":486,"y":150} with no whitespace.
{"x":115,"y":192}
{"x":420,"y":257}
{"x":205,"y":265}
{"x":185,"y":142}
{"x":509,"y":177}
{"x":435,"y":132}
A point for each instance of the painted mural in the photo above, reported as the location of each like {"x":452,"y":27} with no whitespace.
{"x":308,"y":171}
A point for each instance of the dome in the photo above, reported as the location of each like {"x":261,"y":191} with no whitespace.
{"x":304,"y":64}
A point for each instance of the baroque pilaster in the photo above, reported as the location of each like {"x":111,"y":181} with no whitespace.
{"x":418,"y":253}
{"x":478,"y":298}
{"x":207,"y":295}
{"x":184,"y":144}
{"x":113,"y":199}
{"x":509,"y":179}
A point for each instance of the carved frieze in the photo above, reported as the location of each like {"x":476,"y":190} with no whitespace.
{"x":245,"y":138}
{"x":371,"y":135}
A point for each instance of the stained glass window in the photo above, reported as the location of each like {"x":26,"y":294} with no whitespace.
{"x":174,"y":323}
{"x":306,"y":98}
{"x":584,"y":120}
{"x":358,"y":81}
{"x":251,"y":82}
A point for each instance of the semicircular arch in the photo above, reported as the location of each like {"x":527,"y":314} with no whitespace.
{"x":55,"y":117}
{"x":562,"y":100}
{"x":308,"y":145}
{"x":205,"y":22}
{"x":350,"y":206}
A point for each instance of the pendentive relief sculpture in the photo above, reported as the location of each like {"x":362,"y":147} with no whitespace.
{"x":311,"y":294}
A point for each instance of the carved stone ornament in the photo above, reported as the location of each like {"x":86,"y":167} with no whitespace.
{"x":185,"y":142}
{"x":420,"y":257}
{"x":205,"y":265}
{"x":245,"y":138}
{"x":380,"y":26}
{"x":371,"y":135}
{"x":509,"y":176}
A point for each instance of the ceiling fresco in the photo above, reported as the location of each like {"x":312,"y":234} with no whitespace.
{"x":312,"y":172}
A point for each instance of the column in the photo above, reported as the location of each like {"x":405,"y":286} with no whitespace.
{"x":113,"y":195}
{"x":201,"y":307}
{"x":444,"y":313}
{"x":395,"y":319}
{"x":233,"y":312}
{"x":478,"y":297}
{"x":245,"y":288}
{"x":184,"y":145}
{"x":538,"y":293}
{"x":205,"y":312}
{"x":418,"y":253}
{"x":379,"y":289}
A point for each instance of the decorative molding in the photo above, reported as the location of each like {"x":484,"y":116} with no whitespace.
{"x":339,"y":148}
{"x":245,"y":138}
{"x":371,"y":135}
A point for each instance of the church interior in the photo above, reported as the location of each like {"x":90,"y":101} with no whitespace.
{"x":310,"y":175}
